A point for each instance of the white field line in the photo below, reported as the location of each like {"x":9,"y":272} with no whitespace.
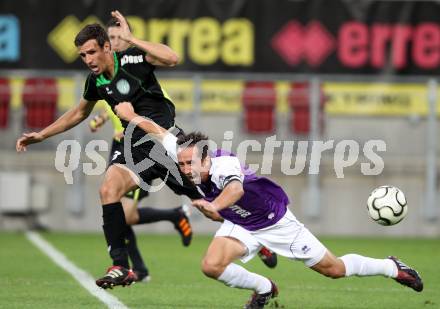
{"x":85,"y":279}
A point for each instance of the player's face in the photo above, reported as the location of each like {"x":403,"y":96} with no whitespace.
{"x":191,"y":164}
{"x":94,"y":56}
{"x":115,"y":39}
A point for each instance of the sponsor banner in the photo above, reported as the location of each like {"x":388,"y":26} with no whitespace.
{"x":282,"y":89}
{"x":181,"y":92}
{"x":66,"y":93}
{"x":316,"y":36}
{"x":354,"y":99}
{"x":215,"y":95}
{"x":221,"y":95}
{"x":16,"y":84}
{"x":378,"y":99}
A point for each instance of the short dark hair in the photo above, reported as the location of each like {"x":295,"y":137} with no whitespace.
{"x":92,"y":32}
{"x":197,"y":139}
{"x":113,"y":22}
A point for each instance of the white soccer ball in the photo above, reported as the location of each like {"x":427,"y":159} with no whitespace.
{"x":387,"y":205}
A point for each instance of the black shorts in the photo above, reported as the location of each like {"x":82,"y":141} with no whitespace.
{"x":137,"y":194}
{"x":150,"y":161}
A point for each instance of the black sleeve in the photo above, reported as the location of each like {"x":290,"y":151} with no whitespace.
{"x":231,"y":178}
{"x":90,"y":90}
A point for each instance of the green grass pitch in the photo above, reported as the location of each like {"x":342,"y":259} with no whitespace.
{"x":29,"y":279}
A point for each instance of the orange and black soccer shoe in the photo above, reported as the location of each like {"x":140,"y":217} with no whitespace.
{"x":183,"y":226}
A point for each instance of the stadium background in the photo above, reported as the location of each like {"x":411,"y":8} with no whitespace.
{"x":303,"y":70}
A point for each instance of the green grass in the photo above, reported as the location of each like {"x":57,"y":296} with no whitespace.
{"x":28,"y":279}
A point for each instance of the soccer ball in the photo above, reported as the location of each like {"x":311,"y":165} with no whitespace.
{"x":387,"y":205}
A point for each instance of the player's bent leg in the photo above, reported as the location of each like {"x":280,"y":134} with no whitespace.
{"x":217,"y":264}
{"x":129,"y":203}
{"x":138,"y":264}
{"x":221,"y":252}
{"x":354,"y":265}
{"x":391,"y":267}
{"x":358,"y":265}
{"x":177,"y":216}
{"x":117,"y":182}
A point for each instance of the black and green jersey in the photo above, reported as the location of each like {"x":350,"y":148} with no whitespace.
{"x":133,"y":81}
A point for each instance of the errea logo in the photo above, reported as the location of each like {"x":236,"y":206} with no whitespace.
{"x":132,"y":59}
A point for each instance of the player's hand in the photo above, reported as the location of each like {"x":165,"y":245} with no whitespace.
{"x":125,"y":111}
{"x":118,"y":136}
{"x":97,"y":122}
{"x":125,"y":33}
{"x":207,"y":209}
{"x":27,"y":139}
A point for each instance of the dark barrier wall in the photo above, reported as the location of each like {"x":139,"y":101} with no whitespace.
{"x":367,"y":37}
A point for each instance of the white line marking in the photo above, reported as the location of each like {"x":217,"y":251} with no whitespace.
{"x":85,"y":279}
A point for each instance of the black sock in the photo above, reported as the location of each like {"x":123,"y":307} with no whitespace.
{"x":149,"y":215}
{"x":114,"y":231}
{"x":133,"y":251}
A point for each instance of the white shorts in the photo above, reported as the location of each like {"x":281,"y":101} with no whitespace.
{"x":288,"y":237}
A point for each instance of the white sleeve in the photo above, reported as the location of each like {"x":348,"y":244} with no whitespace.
{"x":170,"y":144}
{"x":224,"y":170}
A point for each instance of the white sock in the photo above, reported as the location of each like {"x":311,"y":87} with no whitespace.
{"x":236,"y":276}
{"x":358,"y":265}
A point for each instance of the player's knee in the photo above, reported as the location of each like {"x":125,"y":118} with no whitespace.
{"x":211,"y":268}
{"x":108,"y":193}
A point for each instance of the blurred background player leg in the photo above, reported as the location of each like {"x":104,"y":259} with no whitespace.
{"x":129,"y":203}
{"x":177,"y":216}
{"x":135,"y":216}
{"x":268,"y":257}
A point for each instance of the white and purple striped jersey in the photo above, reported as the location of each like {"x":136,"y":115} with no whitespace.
{"x":263,"y":203}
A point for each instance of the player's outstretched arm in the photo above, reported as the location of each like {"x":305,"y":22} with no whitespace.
{"x":67,"y":121}
{"x":125,"y":111}
{"x":207,"y":209}
{"x":231,"y":193}
{"x":157,"y":54}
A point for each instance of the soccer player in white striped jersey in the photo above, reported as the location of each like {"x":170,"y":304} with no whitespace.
{"x":255,"y":213}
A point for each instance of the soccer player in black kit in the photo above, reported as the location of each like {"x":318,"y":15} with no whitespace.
{"x":134,"y":214}
{"x":118,"y":77}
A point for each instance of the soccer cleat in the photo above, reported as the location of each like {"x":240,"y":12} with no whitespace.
{"x":142,"y":276}
{"x":268,"y":257}
{"x":258,"y":301}
{"x":116,"y":275}
{"x":183,"y":226}
{"x":407,"y":276}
